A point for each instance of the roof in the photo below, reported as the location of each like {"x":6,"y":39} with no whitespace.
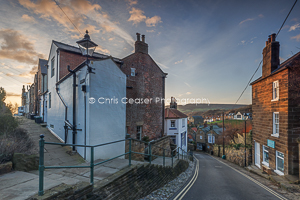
{"x":172,"y":113}
{"x":43,"y":64}
{"x":73,"y":49}
{"x":287,"y":63}
{"x":248,"y":128}
{"x":194,"y":129}
{"x":198,"y":117}
{"x":190,"y":137}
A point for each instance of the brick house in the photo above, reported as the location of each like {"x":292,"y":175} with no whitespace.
{"x":145,"y":80}
{"x":275,"y":112}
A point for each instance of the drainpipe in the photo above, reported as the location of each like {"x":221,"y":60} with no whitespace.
{"x":66,"y":114}
{"x":74,"y":106}
{"x":163,"y":106}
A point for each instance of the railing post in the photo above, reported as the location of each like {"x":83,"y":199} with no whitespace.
{"x":92,"y":166}
{"x":181,"y":154}
{"x":41,"y":166}
{"x":129,"y":157}
{"x":172,"y":157}
{"x":150,"y":153}
{"x":164,"y":156}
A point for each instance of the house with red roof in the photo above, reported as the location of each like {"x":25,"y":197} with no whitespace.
{"x":176,"y":127}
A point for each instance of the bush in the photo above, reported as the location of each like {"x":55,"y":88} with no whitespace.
{"x":7,"y":123}
{"x":16,"y":141}
{"x":145,"y":138}
{"x":237,"y":146}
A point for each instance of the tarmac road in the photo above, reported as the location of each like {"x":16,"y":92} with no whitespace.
{"x":216,"y":180}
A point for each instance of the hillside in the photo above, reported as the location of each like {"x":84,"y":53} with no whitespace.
{"x":212,"y":109}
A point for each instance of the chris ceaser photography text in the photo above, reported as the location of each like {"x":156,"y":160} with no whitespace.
{"x":125,"y":100}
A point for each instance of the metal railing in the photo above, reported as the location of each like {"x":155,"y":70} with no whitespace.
{"x":42,"y":167}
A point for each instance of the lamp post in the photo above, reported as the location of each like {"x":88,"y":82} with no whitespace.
{"x":87,"y":48}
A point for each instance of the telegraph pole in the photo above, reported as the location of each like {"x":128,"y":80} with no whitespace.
{"x":223,"y":136}
{"x":245,"y":142}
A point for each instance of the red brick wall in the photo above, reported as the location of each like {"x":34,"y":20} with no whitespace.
{"x":263,"y":108}
{"x":148,"y":83}
{"x":67,"y":58}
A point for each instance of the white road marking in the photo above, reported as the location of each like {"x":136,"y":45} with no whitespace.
{"x":255,"y":181}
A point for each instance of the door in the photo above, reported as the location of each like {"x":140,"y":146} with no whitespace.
{"x":257,"y":154}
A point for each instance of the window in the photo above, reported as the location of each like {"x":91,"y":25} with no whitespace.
{"x":52,"y":67}
{"x":279,"y":163}
{"x":200,"y":137}
{"x":183,"y":139}
{"x":211,"y":139}
{"x":275,"y":124}
{"x":275,"y":90}
{"x":138,"y":132}
{"x":50,"y":100}
{"x":172,"y":123}
{"x":183,"y":123}
{"x":239,"y":116}
{"x":132,"y":71}
{"x":266,"y":156}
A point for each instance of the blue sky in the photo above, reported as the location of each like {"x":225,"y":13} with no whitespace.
{"x":209,"y":49}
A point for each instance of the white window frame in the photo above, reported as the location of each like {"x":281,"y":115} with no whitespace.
{"x":265,"y":149}
{"x":200,"y":137}
{"x":173,"y":123}
{"x":278,"y":171}
{"x":132,"y":72}
{"x":275,"y":122}
{"x":275,"y":91}
{"x":52,"y":67}
{"x":211,"y":139}
{"x":183,"y":122}
{"x":139,"y":130}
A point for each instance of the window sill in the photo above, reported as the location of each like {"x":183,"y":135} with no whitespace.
{"x":279,"y":172}
{"x":274,"y":100}
{"x":265,"y":164}
{"x":257,"y":165}
{"x":275,"y":135}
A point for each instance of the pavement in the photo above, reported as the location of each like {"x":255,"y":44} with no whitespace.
{"x":18,"y":185}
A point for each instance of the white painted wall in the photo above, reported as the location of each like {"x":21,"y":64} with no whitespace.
{"x":180,"y":130}
{"x":105,"y":122}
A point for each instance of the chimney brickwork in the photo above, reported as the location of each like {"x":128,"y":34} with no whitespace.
{"x":141,"y":46}
{"x":270,"y":56}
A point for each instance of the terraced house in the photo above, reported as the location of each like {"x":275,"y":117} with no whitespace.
{"x":276,"y":112}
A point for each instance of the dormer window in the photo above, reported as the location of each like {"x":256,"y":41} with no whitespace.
{"x":275,"y":90}
{"x":132,"y":71}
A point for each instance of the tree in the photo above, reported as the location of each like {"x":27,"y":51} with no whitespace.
{"x":231,"y":132}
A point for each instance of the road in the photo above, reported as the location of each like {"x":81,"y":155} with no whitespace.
{"x":216,"y":180}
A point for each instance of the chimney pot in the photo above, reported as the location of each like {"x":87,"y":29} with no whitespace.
{"x":143,"y":38}
{"x":138,"y":38}
{"x":273,"y":37}
{"x":267,"y":43}
{"x":269,"y":39}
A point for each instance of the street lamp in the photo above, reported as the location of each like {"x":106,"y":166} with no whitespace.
{"x":86,"y":45}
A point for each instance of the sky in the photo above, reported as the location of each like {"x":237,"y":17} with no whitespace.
{"x":209,"y":48}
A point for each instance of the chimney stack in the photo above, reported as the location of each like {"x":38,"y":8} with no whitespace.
{"x":270,"y":56}
{"x":173,"y":103}
{"x":141,"y":46}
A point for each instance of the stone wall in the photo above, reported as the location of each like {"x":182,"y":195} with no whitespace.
{"x":157,"y":146}
{"x":136,"y":146}
{"x":130,"y":183}
{"x":234,"y":156}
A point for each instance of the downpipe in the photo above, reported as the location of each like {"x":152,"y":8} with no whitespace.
{"x":74,"y":132}
{"x":66,"y":114}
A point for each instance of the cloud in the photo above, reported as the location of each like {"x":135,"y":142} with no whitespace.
{"x":186,"y":84}
{"x":150,"y":31}
{"x":261,"y":16}
{"x":292,"y":28}
{"x":246,"y":20}
{"x":16,"y":46}
{"x":132,"y":2}
{"x":77,"y":11}
{"x":136,"y":16}
{"x":188,"y":93}
{"x":297,"y":37}
{"x":162,"y":65}
{"x":28,"y":18}
{"x":111,"y":39}
{"x":11,"y":94}
{"x":153,"y":21}
{"x":29,"y":74}
{"x":180,"y":61}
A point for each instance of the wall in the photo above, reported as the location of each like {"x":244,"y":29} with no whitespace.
{"x":130,"y":183}
{"x":233,"y":155}
{"x":180,"y":128}
{"x":157,"y":146}
{"x":263,"y":109}
{"x":148,"y":83}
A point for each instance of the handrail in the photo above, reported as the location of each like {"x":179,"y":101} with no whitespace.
{"x":92,"y":164}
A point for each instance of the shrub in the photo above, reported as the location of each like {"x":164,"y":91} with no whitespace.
{"x":17,"y":141}
{"x":237,"y":146}
{"x":7,"y":123}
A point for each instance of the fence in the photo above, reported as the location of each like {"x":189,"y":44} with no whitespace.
{"x":42,"y":167}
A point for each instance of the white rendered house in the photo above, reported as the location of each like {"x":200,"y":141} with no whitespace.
{"x":100,"y":113}
{"x":176,"y":127}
